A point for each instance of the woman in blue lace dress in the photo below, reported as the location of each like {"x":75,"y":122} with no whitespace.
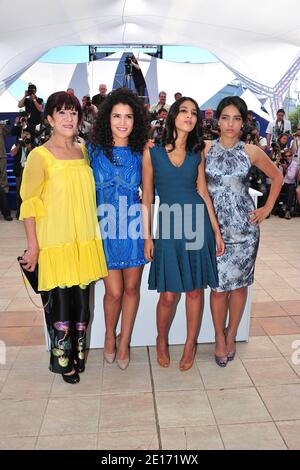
{"x":228,"y":161}
{"x":117,"y":140}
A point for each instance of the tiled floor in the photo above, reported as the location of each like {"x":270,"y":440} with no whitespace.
{"x":251,"y":404}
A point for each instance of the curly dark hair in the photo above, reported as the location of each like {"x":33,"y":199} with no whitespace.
{"x":101,"y":134}
{"x":195,"y":141}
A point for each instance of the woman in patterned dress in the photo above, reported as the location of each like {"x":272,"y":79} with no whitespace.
{"x":228,"y":161}
{"x":118,"y":138}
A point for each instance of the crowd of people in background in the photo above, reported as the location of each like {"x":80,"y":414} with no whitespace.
{"x":31,"y":129}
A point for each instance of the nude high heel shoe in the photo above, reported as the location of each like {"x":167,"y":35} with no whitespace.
{"x":109,"y":357}
{"x":122,"y":363}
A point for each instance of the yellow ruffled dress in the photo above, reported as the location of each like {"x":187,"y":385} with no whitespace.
{"x":60,"y":195}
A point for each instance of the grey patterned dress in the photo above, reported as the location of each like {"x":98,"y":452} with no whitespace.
{"x":227,"y":179}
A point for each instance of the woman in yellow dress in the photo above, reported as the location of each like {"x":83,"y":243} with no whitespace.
{"x":59,"y":213}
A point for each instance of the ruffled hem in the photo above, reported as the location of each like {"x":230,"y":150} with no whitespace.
{"x":179,"y":270}
{"x":71,"y":264}
{"x":33,"y":207}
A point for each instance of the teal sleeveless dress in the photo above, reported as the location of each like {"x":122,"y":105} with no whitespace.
{"x":184,"y":245}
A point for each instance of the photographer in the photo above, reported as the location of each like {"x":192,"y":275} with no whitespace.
{"x":33,"y":105}
{"x":89,"y":110}
{"x":42,"y":133}
{"x":257,"y":178}
{"x":19,"y":124}
{"x":3,"y":172}
{"x":3,"y":160}
{"x":138,"y":78}
{"x":4,"y":207}
{"x":100,"y":97}
{"x":278,"y":127}
{"x":20,"y":153}
{"x":84,"y":130}
{"x":158,"y":126}
{"x":153,"y":110}
{"x":295,"y":146}
{"x":251,"y":121}
{"x":210,"y":125}
{"x":277,"y":148}
{"x":252,"y":137}
{"x":290,"y":170}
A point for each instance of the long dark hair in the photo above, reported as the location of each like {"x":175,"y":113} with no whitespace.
{"x":194,"y":141}
{"x":101,"y":134}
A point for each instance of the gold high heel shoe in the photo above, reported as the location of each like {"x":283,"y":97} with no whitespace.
{"x":184,"y":366}
{"x":122,"y":363}
{"x":163,"y":361}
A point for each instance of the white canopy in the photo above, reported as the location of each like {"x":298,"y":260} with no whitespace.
{"x":190,"y":79}
{"x":258,"y":41}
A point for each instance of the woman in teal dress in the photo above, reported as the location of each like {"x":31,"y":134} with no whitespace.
{"x":118,"y":138}
{"x":183,"y":254}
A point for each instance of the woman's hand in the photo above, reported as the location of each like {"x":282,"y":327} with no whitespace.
{"x":148,"y":249}
{"x":258,"y":215}
{"x":149,"y":144}
{"x":30,"y":258}
{"x":220,"y":245}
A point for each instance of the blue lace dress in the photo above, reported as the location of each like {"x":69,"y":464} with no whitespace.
{"x":118,"y":205}
{"x":227,"y":171}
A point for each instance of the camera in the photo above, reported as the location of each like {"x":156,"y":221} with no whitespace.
{"x":283,"y":161}
{"x":88,"y":101}
{"x":257,"y":180}
{"x":23,"y":116}
{"x":31,"y":90}
{"x":128,"y":65}
{"x":248,"y":129}
{"x":83,"y":134}
{"x":24,"y":142}
{"x":161,"y":122}
{"x":43,"y":134}
{"x":5,"y":122}
{"x":208,"y":124}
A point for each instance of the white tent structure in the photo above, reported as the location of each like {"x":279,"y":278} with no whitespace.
{"x":259,"y":45}
{"x":159,"y":75}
